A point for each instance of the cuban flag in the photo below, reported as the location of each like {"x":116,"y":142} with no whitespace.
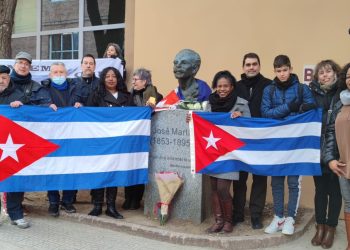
{"x":71,"y":148}
{"x":261,"y":146}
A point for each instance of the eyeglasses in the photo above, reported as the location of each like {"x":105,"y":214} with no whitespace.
{"x":136,"y":79}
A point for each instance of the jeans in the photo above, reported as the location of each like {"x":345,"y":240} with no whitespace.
{"x":14,"y":205}
{"x":67,"y":197}
{"x":294,"y":187}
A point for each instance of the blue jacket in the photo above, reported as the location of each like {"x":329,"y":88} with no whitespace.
{"x":275,"y":99}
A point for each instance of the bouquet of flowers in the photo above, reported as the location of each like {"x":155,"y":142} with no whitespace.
{"x":168,"y":183}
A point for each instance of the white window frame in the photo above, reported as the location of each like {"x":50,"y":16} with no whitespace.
{"x":80,"y":29}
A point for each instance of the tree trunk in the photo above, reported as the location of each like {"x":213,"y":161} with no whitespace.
{"x":7,"y":15}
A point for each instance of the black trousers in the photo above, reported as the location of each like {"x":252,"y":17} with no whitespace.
{"x":327,"y":198}
{"x":134,"y":192}
{"x":257,"y":195}
{"x":97,"y":195}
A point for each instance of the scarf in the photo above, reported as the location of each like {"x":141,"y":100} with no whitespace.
{"x":225,"y":104}
{"x":345,"y":97}
{"x":18,"y":79}
{"x":61,"y":87}
{"x":284,"y":85}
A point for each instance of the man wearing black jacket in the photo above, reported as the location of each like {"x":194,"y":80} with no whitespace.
{"x":251,"y":87}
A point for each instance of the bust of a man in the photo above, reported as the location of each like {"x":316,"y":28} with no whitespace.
{"x":186,"y":66}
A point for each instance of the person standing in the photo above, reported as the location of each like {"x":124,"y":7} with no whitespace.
{"x":88,"y":81}
{"x":251,"y":87}
{"x":144,"y":93}
{"x":33,"y":94}
{"x":328,"y":199}
{"x":337,"y":146}
{"x":63,"y":94}
{"x":283,"y":98}
{"x":112,"y":92}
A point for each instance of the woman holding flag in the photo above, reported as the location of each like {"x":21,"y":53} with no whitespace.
{"x":224,"y":99}
{"x":111,"y":92}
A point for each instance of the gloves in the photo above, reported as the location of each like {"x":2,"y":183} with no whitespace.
{"x":307,"y":106}
{"x":294,"y":106}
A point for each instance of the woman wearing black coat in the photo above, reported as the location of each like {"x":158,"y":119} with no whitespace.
{"x":328,"y":199}
{"x":111,"y":92}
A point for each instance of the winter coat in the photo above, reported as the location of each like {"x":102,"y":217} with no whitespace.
{"x":252,"y":89}
{"x":276,"y":99}
{"x":84,"y":89}
{"x":326,"y":101}
{"x":96,"y":99}
{"x":11,"y":94}
{"x":62,"y":98}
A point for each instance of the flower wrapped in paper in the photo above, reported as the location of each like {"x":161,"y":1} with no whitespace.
{"x":168,"y":183}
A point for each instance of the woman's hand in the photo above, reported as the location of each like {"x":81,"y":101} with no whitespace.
{"x":16,"y":104}
{"x":53,"y":107}
{"x":151,"y":104}
{"x":337,"y":167}
{"x":236,"y":114}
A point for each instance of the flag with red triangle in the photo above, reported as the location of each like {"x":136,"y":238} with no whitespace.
{"x":19,"y":148}
{"x":211,"y":142}
{"x":168,"y":101}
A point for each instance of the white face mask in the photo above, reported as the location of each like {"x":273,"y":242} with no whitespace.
{"x":59,"y":80}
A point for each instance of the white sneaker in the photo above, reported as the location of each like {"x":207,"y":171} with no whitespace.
{"x":275,"y":226}
{"x":21,"y":223}
{"x":288,"y":227}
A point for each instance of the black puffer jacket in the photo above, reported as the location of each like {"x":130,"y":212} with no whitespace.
{"x":326,"y":101}
{"x":331,"y":149}
{"x":11,"y":94}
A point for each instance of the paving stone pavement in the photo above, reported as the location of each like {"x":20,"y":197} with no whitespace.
{"x":137,"y":231}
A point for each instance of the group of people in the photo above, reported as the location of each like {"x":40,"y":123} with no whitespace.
{"x":284,"y":96}
{"x":252,"y":96}
{"x":106,"y":90}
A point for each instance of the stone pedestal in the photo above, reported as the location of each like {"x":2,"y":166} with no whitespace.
{"x":170,"y":151}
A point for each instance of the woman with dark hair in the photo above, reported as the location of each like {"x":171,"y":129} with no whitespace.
{"x":113,"y":50}
{"x":111,"y":92}
{"x":337,"y":146}
{"x":327,"y":191}
{"x":224,"y":99}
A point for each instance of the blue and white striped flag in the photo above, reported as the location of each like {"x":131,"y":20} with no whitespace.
{"x":98,"y":147}
{"x":265,"y":146}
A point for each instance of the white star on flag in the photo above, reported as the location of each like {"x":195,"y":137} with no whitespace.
{"x":211,"y":140}
{"x":9,"y":149}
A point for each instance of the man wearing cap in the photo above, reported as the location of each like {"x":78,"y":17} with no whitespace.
{"x":9,"y":94}
{"x":32,"y":94}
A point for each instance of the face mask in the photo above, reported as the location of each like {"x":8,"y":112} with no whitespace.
{"x":59,"y":80}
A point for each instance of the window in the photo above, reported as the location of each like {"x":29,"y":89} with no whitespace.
{"x":63,"y":46}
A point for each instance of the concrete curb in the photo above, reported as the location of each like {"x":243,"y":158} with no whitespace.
{"x":205,"y":240}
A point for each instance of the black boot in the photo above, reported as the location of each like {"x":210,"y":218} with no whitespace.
{"x":97,"y":200}
{"x":128,"y":195}
{"x":111,"y":195}
{"x":97,"y":210}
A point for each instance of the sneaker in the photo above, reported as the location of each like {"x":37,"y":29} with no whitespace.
{"x":21,"y":223}
{"x":69,"y":208}
{"x":288,"y":227}
{"x":53,"y":210}
{"x":275,"y":226}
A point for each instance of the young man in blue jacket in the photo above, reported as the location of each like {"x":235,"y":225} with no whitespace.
{"x":283,"y":98}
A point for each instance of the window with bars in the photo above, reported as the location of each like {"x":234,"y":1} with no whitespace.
{"x":63,"y":46}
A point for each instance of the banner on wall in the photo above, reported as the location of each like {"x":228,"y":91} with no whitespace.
{"x":308,"y":72}
{"x":40,"y":68}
